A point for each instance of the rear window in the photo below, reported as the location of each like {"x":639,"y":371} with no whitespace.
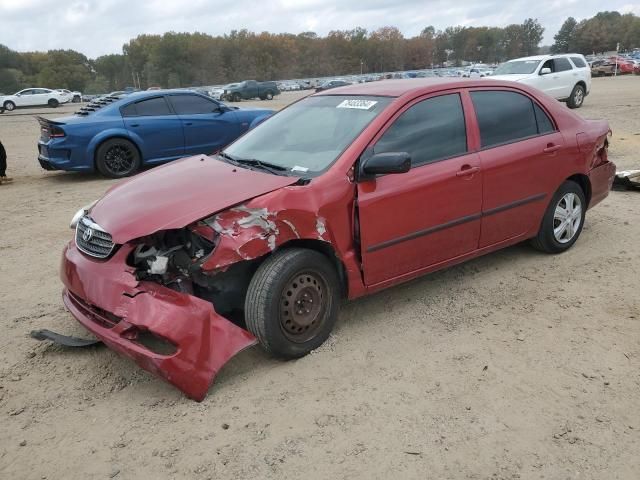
{"x":503,"y":117}
{"x":578,"y":62}
{"x":562,"y":64}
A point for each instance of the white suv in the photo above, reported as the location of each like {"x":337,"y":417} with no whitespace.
{"x":566,"y":77}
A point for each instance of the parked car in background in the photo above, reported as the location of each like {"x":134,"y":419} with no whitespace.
{"x":33,"y":97}
{"x":602,"y":68}
{"x":331,"y":84}
{"x":565,"y":77}
{"x":216,"y":93}
{"x":117,"y":135}
{"x":186,"y":265}
{"x":251,"y":89}
{"x":73,"y":97}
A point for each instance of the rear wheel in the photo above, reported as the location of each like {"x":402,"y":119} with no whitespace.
{"x":117,"y":158}
{"x":292,"y":302}
{"x":237,"y":97}
{"x":576,"y":99}
{"x":53,"y":103}
{"x":76,"y":99}
{"x":563,"y":221}
{"x":269,"y":95}
{"x":9,"y":106}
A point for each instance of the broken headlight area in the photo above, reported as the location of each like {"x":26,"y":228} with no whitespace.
{"x":172,"y":257}
{"x":175,"y":259}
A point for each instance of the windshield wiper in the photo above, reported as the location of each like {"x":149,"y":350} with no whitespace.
{"x":254,"y":162}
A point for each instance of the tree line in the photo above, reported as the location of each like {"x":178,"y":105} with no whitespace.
{"x":191,"y":59}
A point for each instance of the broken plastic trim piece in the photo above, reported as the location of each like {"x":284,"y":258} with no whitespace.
{"x":627,"y":180}
{"x":63,"y":340}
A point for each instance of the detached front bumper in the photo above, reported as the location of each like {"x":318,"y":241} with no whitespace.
{"x":173,"y":335}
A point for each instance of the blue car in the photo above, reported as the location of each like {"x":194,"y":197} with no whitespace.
{"x":118,"y":134}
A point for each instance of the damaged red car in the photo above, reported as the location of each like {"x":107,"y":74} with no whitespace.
{"x":339,"y":195}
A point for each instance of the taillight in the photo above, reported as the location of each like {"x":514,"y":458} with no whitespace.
{"x":56,"y":132}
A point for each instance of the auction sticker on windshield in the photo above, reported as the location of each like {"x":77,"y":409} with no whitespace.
{"x":357,"y":104}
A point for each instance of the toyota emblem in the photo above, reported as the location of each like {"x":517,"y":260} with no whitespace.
{"x":87,"y":235}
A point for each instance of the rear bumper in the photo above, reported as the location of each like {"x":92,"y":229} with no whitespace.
{"x":601,"y":178}
{"x":55,"y":155}
{"x":107,"y":300}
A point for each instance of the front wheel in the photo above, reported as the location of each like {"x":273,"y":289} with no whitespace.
{"x":563,"y":221}
{"x":269,"y":95}
{"x":117,"y":158}
{"x":292,"y":302}
{"x":237,"y":97}
{"x":9,"y":106}
{"x":576,"y":99}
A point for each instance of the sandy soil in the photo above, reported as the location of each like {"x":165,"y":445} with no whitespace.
{"x":515,"y":365}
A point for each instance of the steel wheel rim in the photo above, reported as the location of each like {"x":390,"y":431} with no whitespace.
{"x":119,"y":159}
{"x":303,"y":306}
{"x":578,"y":97}
{"x":567,"y":218}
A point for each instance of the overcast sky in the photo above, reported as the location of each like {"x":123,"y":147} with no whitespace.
{"x":97,"y":27}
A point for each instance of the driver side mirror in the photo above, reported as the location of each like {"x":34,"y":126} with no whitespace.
{"x":384,"y":164}
{"x":545,"y":71}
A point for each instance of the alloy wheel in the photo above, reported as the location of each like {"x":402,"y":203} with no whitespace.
{"x":119,"y":159}
{"x":567,"y":218}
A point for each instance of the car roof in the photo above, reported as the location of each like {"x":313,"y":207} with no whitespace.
{"x":416,"y":86}
{"x":544,"y":57}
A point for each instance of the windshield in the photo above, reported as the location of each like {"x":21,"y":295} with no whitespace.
{"x":310,"y":135}
{"x":517,"y":67}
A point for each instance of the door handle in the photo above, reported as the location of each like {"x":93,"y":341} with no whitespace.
{"x":551,"y":148}
{"x":467,"y":170}
{"x":188,"y":123}
{"x":134,"y":125}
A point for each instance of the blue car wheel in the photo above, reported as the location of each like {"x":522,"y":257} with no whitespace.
{"x":117,"y":158}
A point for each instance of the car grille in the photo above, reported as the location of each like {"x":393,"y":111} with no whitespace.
{"x":92,"y":239}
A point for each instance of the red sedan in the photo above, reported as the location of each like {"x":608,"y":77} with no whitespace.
{"x":340,"y":195}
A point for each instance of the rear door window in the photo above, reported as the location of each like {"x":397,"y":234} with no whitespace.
{"x":431,"y":130}
{"x":562,"y":64}
{"x":192,"y":104}
{"x":152,"y":107}
{"x":503,"y":117}
{"x":545,"y":125}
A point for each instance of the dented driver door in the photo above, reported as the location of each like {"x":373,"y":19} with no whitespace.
{"x":431,"y":214}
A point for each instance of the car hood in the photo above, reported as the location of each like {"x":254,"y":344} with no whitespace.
{"x":513,"y":78}
{"x":177,"y":194}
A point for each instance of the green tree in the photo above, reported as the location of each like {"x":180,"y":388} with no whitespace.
{"x":565,"y":38}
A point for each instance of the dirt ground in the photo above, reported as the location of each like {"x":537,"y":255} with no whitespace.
{"x":514,"y":365}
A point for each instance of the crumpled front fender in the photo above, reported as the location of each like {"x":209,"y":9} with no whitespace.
{"x":106,"y":298}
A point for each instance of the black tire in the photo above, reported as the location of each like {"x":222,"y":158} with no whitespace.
{"x":9,"y":106}
{"x":117,"y":158}
{"x":237,"y":97}
{"x":285,"y":282}
{"x":269,"y":95}
{"x":53,"y":103}
{"x":546,"y":239}
{"x":576,"y":99}
{"x":76,"y":99}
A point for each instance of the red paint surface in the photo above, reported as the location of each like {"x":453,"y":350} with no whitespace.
{"x":256,"y":213}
